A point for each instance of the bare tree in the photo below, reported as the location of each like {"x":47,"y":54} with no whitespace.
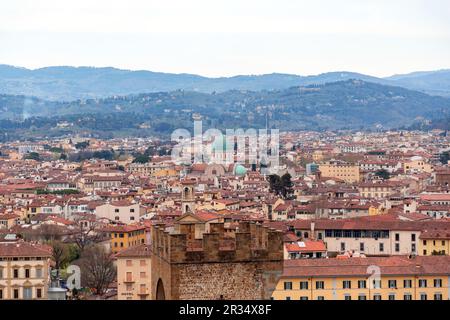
{"x":97,"y":269}
{"x":85,"y":234}
{"x":49,"y":232}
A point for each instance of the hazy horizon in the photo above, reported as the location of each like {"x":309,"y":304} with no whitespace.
{"x":219,"y":76}
{"x":228,"y":38}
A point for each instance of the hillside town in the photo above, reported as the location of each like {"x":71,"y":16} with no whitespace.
{"x":344,"y":216}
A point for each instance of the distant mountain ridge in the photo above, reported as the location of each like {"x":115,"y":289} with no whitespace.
{"x":349,"y":104}
{"x":72,"y":83}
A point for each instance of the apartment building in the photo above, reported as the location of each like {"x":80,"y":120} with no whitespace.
{"x":372,"y":236}
{"x":134,"y":273}
{"x":434,"y":242}
{"x":340,"y":170}
{"x":120,"y":211}
{"x":126,"y":236}
{"x":381,"y":278}
{"x":380,"y":190}
{"x":24,"y":270}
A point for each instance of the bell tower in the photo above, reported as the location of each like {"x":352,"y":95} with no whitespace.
{"x":188,"y":196}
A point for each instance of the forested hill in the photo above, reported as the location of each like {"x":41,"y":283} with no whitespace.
{"x":352,"y":104}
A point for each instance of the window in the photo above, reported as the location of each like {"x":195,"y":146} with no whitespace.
{"x":131,"y":210}
{"x":377,"y":284}
{"x":407,"y":283}
{"x":16,"y":293}
{"x":27,"y":293}
{"x":1,"y":294}
{"x":392,"y":297}
{"x":422,"y":283}
{"x":397,"y":237}
{"x":27,"y":273}
{"x":361,"y":246}
{"x":303,"y":298}
{"x":407,"y":297}
{"x":437,"y":296}
{"x":129,"y":287}
{"x":320,"y":298}
{"x":16,"y":273}
{"x":1,"y":273}
{"x":423,"y":296}
{"x":424,"y":242}
{"x":346,"y":284}
{"x":143,"y":275}
{"x":413,"y":237}
{"x":437,"y":283}
{"x":288,"y":298}
{"x":39,"y":293}
{"x":413,"y":247}
{"x":303,"y":285}
{"x":117,"y":218}
{"x":377,"y":297}
{"x":392,"y":284}
{"x":348,"y":297}
{"x":116,"y":210}
{"x":38,"y":273}
{"x":132,"y":218}
{"x":129,"y":276}
{"x":361,"y":284}
{"x":381,"y":247}
{"x":342,"y":246}
{"x":424,"y":252}
{"x":320,"y":285}
{"x":362,"y":297}
{"x":143,"y":263}
{"x":288,"y":286}
{"x":397,"y":247}
{"x":129,"y":263}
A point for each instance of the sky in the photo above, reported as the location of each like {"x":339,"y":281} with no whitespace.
{"x":229,"y":37}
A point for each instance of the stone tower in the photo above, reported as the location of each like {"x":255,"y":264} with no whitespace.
{"x":244,"y":264}
{"x":188,"y":196}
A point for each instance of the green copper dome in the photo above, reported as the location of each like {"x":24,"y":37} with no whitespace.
{"x":240,"y":170}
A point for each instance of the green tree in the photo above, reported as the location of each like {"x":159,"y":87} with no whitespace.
{"x":281,"y":186}
{"x":141,"y":158}
{"x":82,"y":145}
{"x":384,"y":174}
{"x":287,"y":186}
{"x":32,"y":156}
{"x":444,"y":157}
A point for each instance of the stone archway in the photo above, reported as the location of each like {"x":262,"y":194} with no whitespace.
{"x":160,"y":294}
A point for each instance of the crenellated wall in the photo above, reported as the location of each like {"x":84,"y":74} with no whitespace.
{"x":243,"y":265}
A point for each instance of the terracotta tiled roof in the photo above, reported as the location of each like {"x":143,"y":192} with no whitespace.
{"x":395,"y":265}
{"x":23,"y":249}
{"x":143,"y":250}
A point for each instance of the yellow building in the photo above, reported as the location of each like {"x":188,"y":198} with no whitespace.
{"x":23,"y":270}
{"x":134,"y":273}
{"x":126,"y":236}
{"x":377,"y":190}
{"x":416,"y":165}
{"x":381,"y":278}
{"x":434,"y":242}
{"x":340,"y":170}
{"x":8,"y":220}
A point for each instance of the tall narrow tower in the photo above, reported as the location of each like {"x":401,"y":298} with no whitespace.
{"x":188,"y":196}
